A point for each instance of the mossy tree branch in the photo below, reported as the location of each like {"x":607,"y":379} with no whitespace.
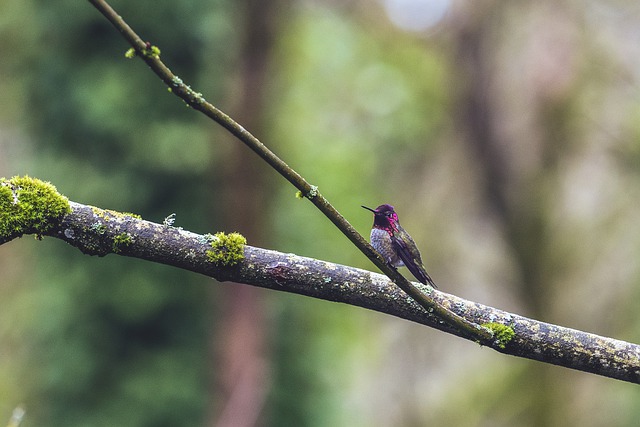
{"x":100,"y":232}
{"x":151,"y":55}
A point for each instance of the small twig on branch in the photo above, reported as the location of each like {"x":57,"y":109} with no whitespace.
{"x":151,"y":55}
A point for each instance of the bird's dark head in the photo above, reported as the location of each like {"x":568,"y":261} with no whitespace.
{"x":384,"y":216}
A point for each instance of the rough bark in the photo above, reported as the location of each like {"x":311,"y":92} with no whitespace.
{"x":99,"y":232}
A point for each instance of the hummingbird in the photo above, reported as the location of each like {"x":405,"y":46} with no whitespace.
{"x":396,"y":245}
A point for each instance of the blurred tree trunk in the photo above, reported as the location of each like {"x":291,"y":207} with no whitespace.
{"x":239,"y":344}
{"x":518,"y":170}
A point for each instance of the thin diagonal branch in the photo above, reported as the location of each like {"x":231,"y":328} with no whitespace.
{"x":196,"y":101}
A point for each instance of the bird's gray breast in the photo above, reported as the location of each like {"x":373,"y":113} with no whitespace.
{"x":381,"y":242}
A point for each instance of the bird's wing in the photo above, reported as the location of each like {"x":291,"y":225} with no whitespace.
{"x":409,"y":260}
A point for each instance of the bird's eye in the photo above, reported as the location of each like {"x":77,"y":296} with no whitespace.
{"x":389,"y":214}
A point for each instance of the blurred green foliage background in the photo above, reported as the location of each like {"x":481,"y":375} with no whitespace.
{"x":505,"y":133}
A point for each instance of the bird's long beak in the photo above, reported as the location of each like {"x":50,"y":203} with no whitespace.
{"x":369,"y":209}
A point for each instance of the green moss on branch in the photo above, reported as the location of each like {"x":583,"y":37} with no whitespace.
{"x":29,"y":206}
{"x":121,"y":241}
{"x":227,"y":249}
{"x":501,"y":333}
